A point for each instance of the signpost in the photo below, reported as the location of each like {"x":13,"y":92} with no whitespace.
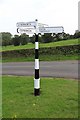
{"x":35,"y":28}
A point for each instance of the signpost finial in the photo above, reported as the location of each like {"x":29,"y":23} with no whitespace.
{"x":36,"y":19}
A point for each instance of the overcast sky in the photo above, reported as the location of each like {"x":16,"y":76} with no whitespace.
{"x":52,"y":12}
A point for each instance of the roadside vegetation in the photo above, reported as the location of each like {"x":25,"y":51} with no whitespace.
{"x":19,"y":40}
{"x":58,"y":98}
{"x":70,"y":52}
{"x":51,"y":47}
{"x":41,"y":45}
{"x":41,"y":58}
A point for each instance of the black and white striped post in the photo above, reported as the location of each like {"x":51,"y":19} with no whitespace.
{"x":36,"y":79}
{"x":35,"y":27}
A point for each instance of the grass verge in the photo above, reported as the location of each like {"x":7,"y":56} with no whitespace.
{"x":58,"y":99}
{"x":42,"y":58}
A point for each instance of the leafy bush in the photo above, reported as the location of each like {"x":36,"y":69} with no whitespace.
{"x":61,"y":50}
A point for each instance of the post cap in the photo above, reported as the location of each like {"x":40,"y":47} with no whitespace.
{"x":36,"y":19}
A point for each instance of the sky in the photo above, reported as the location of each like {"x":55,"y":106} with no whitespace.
{"x":52,"y":12}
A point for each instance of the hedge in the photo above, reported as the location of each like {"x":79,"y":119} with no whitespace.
{"x":60,"y":50}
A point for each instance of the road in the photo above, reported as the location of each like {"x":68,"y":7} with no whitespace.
{"x":64,"y":69}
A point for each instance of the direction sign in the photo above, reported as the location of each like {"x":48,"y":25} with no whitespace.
{"x":26,"y":24}
{"x":31,"y":30}
{"x":56,"y":30}
{"x":42,"y":25}
{"x":35,"y":27}
{"x":26,"y":30}
{"x":30,"y":24}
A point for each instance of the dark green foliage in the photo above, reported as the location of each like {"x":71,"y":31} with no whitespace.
{"x":77,"y":35}
{"x":66,"y":36}
{"x":46,"y":38}
{"x":24,"y":39}
{"x":62,"y":50}
{"x":16,"y":40}
{"x":6,"y":38}
{"x":32,"y":39}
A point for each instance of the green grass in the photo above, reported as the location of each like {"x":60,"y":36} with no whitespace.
{"x":52,"y":44}
{"x":58,"y":99}
{"x":61,"y":43}
{"x":42,"y":58}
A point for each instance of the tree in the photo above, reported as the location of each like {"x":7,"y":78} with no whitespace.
{"x":6,"y":38}
{"x":66,"y":36}
{"x":16,"y":40}
{"x":77,"y":34}
{"x":32,"y":39}
{"x":24,"y":39}
{"x":46,"y":38}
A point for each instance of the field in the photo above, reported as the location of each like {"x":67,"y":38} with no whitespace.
{"x":58,"y":99}
{"x":52,"y":44}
